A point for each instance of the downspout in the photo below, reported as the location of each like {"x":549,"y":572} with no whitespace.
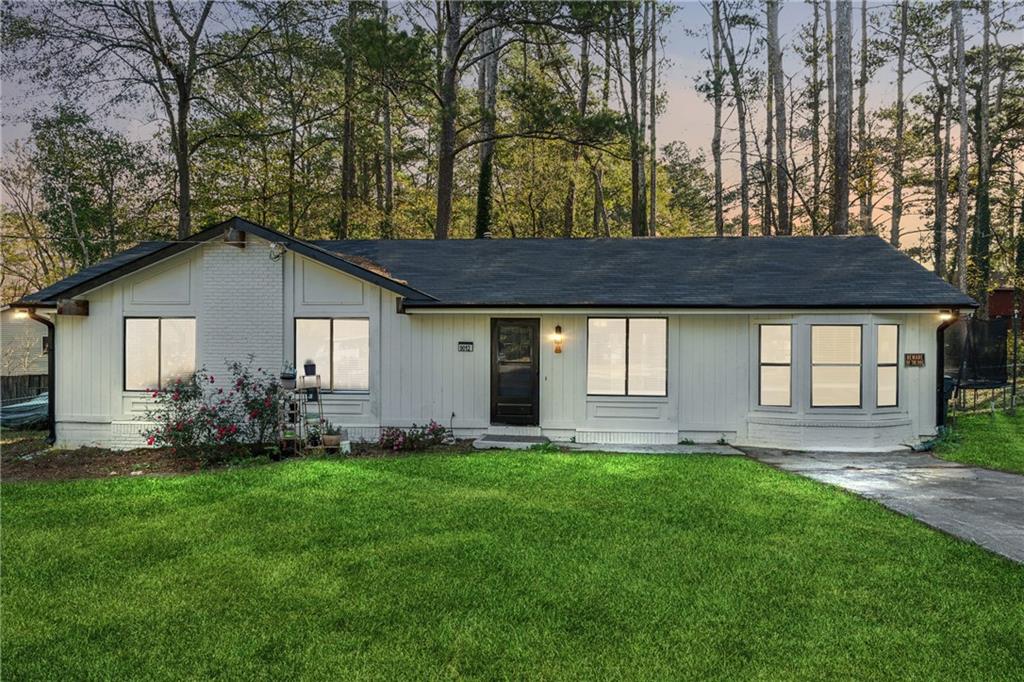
{"x":940,"y":367}
{"x":51,"y":400}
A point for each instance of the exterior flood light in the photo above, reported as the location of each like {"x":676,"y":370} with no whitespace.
{"x":946,"y":315}
{"x":558,"y":338}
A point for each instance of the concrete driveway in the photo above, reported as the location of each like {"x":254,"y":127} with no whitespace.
{"x":979,"y":505}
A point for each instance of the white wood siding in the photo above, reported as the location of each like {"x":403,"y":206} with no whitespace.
{"x":246,"y":301}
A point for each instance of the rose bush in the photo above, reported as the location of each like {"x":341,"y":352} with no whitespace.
{"x":199,"y":418}
{"x":414,"y":438}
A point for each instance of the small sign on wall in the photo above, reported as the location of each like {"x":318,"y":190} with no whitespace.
{"x":913,"y":359}
{"x":465,"y":346}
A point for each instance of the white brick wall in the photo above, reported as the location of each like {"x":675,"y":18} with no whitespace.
{"x":241,"y":307}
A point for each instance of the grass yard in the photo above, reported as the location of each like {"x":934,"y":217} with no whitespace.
{"x":987,"y":440}
{"x":512,"y":565}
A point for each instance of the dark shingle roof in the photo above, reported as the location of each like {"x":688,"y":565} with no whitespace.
{"x":53,"y":291}
{"x":694,"y":272}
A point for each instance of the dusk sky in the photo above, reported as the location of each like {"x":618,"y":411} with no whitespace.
{"x":688,"y":117}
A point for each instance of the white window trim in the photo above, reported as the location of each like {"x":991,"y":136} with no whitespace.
{"x":329,"y":388}
{"x":626,"y":394}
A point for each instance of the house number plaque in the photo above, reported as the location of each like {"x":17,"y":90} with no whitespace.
{"x":465,"y":346}
{"x":913,"y":359}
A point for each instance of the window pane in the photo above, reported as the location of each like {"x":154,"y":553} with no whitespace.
{"x":775,"y":385}
{"x":313,"y":342}
{"x":888,"y":340}
{"x":835,"y":386}
{"x":606,"y":357}
{"x":887,"y":386}
{"x":351,"y":355}
{"x":835,"y":345}
{"x":647,"y":355}
{"x":776,"y":344}
{"x":177,"y":350}
{"x":141,"y":354}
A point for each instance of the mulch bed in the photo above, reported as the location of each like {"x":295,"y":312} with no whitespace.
{"x":28,"y":458}
{"x":24,"y":456}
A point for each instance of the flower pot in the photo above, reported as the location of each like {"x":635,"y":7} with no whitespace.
{"x":309,"y":368}
{"x":331,"y":442}
{"x":288,"y":380}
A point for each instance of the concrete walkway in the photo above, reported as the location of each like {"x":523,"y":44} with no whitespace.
{"x":978,"y":505}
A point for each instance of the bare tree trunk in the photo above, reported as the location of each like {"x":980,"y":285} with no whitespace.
{"x":488,"y":97}
{"x":767,"y":160}
{"x":600,"y":216}
{"x":815,"y":207}
{"x":785,"y":226}
{"x":961,"y":77}
{"x":652,"y":227}
{"x":638,"y":190}
{"x":938,"y":181}
{"x":830,"y":136}
{"x":348,"y":162}
{"x":741,"y":120}
{"x":982,"y":211}
{"x":844,"y":95}
{"x":863,"y":150}
{"x":569,"y":211}
{"x":386,"y":226}
{"x":901,"y":112}
{"x":716,"y":141}
{"x":452,"y":12}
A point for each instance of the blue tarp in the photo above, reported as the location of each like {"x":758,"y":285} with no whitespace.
{"x":29,"y":413}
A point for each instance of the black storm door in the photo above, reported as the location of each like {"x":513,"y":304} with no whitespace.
{"x":515,"y":372}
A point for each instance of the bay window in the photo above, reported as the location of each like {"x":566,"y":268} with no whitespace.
{"x":627,"y":356}
{"x":888,"y":366}
{"x":339,"y":347}
{"x":835,"y":365}
{"x":158,"y":351}
{"x":775,"y":358}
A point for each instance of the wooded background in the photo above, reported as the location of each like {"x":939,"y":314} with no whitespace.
{"x":428,"y":119}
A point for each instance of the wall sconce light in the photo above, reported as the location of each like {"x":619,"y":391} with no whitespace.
{"x":558,"y":338}
{"x":21,"y":314}
{"x":946,"y":315}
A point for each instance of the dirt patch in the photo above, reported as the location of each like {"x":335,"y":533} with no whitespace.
{"x":25,"y":456}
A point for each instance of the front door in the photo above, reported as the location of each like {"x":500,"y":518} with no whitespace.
{"x":515,"y":371}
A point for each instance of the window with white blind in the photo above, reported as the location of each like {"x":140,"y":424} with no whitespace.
{"x":835,"y":365}
{"x":775,"y":357}
{"x":887,"y":394}
{"x":339,"y":347}
{"x":158,"y":351}
{"x":627,"y":356}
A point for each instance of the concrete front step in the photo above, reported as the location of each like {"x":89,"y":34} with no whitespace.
{"x":496,"y":441}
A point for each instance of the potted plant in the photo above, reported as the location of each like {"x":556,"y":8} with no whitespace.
{"x":332,"y":436}
{"x":309,"y":366}
{"x":288,"y":376}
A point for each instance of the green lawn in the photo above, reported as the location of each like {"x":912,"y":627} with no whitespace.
{"x":528,"y":565}
{"x":986,"y":440}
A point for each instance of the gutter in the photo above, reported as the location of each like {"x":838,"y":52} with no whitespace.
{"x":940,"y":366}
{"x":51,"y":401}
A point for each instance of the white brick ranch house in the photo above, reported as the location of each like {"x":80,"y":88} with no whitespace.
{"x":797,"y":342}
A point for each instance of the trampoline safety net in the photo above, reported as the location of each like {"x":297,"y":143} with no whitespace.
{"x":975,"y":352}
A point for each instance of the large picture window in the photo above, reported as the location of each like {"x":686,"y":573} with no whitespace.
{"x":340,"y":348}
{"x":627,"y":356}
{"x":158,"y":351}
{"x":888,"y":365}
{"x":835,"y":365}
{"x":776,"y":364}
